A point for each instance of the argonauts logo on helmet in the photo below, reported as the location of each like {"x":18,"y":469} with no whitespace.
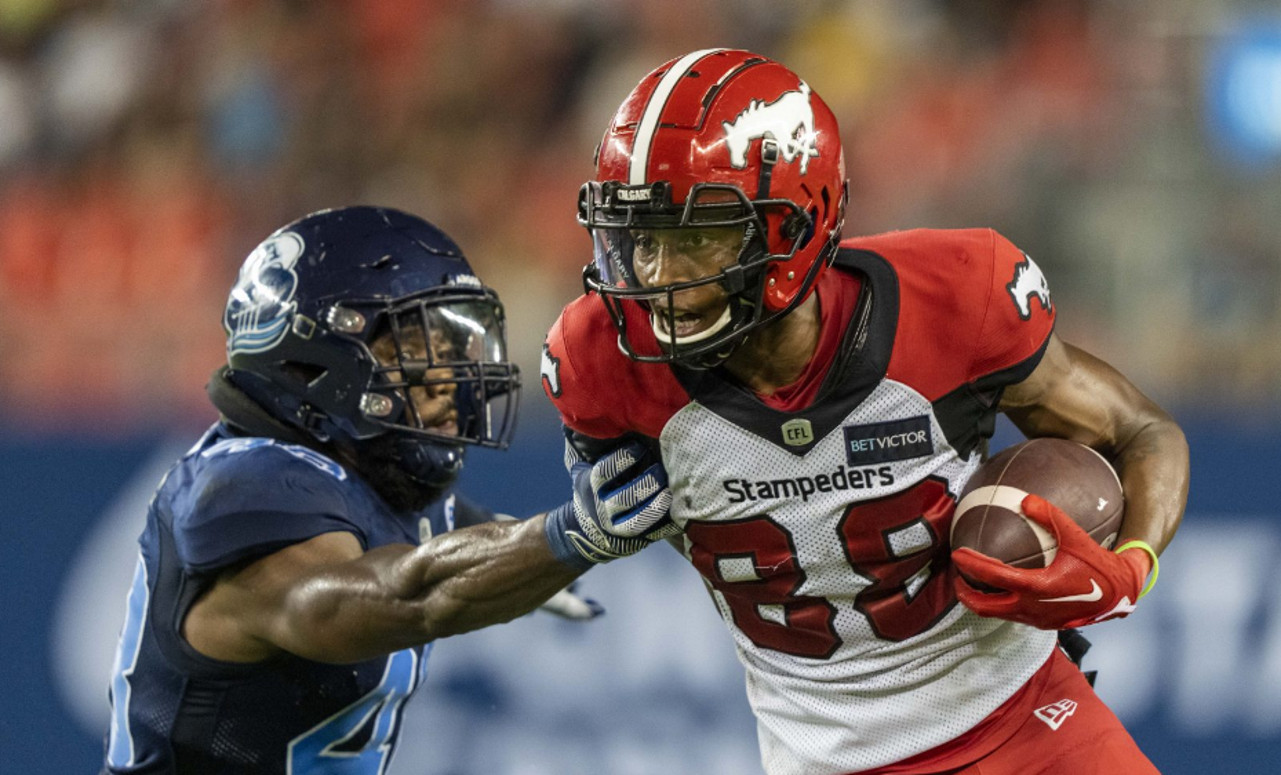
{"x":262,"y":300}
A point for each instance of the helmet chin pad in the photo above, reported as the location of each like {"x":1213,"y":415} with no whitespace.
{"x":433,"y":464}
{"x":666,"y":338}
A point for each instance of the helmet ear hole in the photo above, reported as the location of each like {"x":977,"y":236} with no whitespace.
{"x":796,"y":225}
{"x":809,"y":229}
{"x":791,"y":226}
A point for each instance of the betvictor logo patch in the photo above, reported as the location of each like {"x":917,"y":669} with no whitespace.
{"x":884,"y":441}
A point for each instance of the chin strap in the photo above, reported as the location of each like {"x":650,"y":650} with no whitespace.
{"x":769,"y":157}
{"x":247,"y":415}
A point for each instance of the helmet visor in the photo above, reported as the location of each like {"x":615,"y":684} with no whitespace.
{"x":653,"y":258}
{"x":644,"y":241}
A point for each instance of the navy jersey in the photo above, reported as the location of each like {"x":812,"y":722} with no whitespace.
{"x":231,"y":499}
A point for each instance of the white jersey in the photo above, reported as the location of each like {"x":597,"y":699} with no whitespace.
{"x":822,"y":533}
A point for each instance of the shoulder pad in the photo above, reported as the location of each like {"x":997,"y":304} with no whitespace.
{"x":250,"y":495}
{"x":595,"y":387}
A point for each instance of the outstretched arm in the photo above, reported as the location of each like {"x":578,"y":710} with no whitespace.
{"x":325,"y":599}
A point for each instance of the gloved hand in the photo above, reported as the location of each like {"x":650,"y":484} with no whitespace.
{"x":1084,"y":584}
{"x":620,"y":506}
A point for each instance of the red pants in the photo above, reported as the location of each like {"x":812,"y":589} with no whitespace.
{"x":1056,"y":725}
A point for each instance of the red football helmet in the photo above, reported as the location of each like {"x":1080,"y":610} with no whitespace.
{"x":717,"y":143}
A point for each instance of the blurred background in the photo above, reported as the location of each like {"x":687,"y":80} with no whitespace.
{"x":1132,"y":148}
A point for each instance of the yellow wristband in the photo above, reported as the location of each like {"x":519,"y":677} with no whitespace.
{"x":1156,"y":564}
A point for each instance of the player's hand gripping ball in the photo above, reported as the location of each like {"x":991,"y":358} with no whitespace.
{"x":1072,"y":476}
{"x":1032,"y":538}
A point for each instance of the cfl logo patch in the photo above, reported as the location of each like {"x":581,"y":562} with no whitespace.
{"x":1055,"y":713}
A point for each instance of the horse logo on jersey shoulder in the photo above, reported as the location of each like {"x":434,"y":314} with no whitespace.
{"x":262,"y":301}
{"x":549,"y":369}
{"x":1028,"y":282}
{"x":788,"y":121}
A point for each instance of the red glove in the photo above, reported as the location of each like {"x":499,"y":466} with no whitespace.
{"x":1084,"y":584}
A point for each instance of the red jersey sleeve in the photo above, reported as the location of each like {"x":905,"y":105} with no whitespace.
{"x":971,"y":306}
{"x":599,"y":391}
{"x":1019,"y":316}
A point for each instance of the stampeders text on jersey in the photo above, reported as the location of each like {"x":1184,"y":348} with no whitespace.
{"x":843,"y":478}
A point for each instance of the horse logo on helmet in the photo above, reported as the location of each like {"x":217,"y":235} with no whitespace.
{"x":788,"y":121}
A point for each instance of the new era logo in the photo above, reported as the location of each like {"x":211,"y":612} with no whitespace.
{"x":1055,"y":713}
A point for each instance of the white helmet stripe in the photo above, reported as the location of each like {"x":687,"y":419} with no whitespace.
{"x":649,"y":119}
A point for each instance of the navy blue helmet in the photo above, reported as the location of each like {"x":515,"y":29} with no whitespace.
{"x":361,"y":322}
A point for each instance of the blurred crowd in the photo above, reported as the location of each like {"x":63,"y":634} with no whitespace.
{"x":147,"y":145}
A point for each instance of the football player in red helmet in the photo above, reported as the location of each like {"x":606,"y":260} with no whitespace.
{"x":718,"y":203}
{"x":818,"y":404}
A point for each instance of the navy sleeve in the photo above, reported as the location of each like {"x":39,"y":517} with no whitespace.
{"x":251,"y":497}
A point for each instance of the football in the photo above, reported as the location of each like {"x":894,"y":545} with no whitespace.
{"x":989,"y":517}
